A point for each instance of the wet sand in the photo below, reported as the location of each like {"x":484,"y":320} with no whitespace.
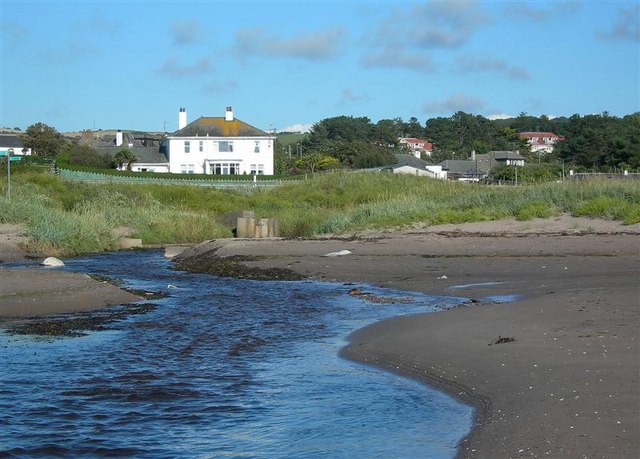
{"x":44,"y":291}
{"x":553,"y":374}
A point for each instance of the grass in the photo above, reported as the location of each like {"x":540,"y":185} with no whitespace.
{"x":72,"y":218}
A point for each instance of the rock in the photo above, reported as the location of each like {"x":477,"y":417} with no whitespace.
{"x":129,"y":243}
{"x":173,"y":251}
{"x":338,"y":254}
{"x":52,"y":261}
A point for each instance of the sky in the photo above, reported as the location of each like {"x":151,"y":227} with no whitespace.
{"x":284,"y":66}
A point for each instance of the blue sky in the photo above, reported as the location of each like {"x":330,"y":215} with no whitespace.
{"x":132,"y":65}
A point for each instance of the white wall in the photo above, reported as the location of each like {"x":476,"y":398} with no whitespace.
{"x":198,"y":162}
{"x":137,"y":167}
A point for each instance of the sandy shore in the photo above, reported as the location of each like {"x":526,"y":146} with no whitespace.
{"x":31,"y":292}
{"x":565,"y":382}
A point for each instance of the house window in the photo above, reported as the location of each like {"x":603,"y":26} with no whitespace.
{"x":187,"y":146}
{"x":256,"y":148}
{"x":257,"y":169}
{"x":225,"y":168}
{"x":201,"y":146}
{"x":187,"y":169}
{"x":225,"y":146}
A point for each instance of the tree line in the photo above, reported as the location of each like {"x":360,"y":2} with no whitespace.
{"x":46,"y":141}
{"x":592,"y":142}
{"x":598,"y":142}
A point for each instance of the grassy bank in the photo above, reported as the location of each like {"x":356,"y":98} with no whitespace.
{"x":70,"y":218}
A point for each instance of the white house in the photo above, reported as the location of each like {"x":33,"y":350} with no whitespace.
{"x":416,"y":146}
{"x":14,"y":142}
{"x":218,"y":146}
{"x":409,"y":164}
{"x":541,"y":141}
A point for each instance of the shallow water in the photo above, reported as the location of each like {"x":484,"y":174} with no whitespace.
{"x":221,"y":368}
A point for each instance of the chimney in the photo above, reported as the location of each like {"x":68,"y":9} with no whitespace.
{"x":119,"y":138}
{"x":228,"y":115}
{"x":182,"y":118}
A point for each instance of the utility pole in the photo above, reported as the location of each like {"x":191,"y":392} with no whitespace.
{"x":9,"y":154}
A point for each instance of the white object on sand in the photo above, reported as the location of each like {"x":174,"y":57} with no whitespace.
{"x":338,"y":254}
{"x":52,"y":261}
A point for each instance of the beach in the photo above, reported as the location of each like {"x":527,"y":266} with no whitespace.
{"x":545,"y":347}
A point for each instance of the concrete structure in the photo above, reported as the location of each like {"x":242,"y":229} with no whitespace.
{"x":219,"y":146}
{"x":249,"y":227}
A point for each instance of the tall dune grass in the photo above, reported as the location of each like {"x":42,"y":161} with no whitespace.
{"x":71,"y":218}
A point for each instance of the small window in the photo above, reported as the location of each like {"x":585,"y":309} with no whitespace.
{"x":187,"y":146}
{"x":225,"y":146}
{"x":256,"y":148}
{"x":257,"y":169}
{"x":201,"y":147}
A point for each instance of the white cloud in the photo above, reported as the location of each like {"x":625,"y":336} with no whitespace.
{"x":397,"y":58}
{"x":540,"y":14}
{"x":349,"y":96}
{"x":454,"y":103}
{"x":318,"y":45}
{"x":185,"y":32}
{"x":500,"y":116}
{"x":297,"y":128}
{"x":470,"y":64}
{"x":174,"y":68}
{"x":433,"y":25}
{"x":626,"y":28}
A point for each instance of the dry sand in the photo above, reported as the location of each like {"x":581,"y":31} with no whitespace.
{"x":567,"y":385}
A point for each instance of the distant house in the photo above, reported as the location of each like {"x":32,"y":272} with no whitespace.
{"x":12,"y":141}
{"x":492,"y":159}
{"x":416,"y":146}
{"x":219,"y":146}
{"x":146,"y":148}
{"x":464,"y":170}
{"x":409,"y":164}
{"x":542,"y":142}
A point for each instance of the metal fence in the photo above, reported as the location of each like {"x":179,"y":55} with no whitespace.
{"x":93,"y":177}
{"x":603,"y":176}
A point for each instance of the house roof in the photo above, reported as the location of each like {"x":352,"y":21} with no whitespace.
{"x":415,"y":141}
{"x":530,"y":135}
{"x":498,"y":155}
{"x":409,"y":160}
{"x":464,"y":167}
{"x":10,"y":141}
{"x":147,"y":155}
{"x":218,"y":127}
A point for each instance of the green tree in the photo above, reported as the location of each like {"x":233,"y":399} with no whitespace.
{"x":43,"y":140}
{"x":124,"y":158}
{"x":86,"y":155}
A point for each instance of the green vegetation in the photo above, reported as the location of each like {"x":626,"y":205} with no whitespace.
{"x":70,"y":218}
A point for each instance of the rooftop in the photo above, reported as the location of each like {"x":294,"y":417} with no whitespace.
{"x":218,"y":127}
